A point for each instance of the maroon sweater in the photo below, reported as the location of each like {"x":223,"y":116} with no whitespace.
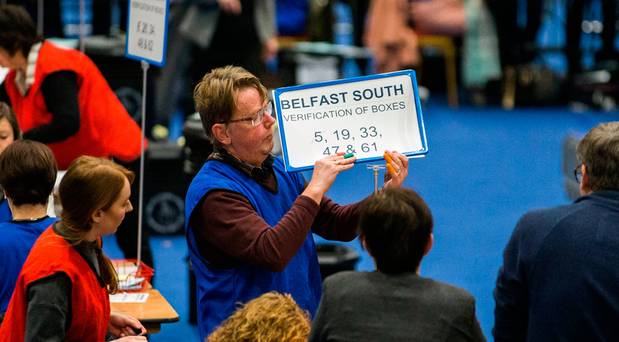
{"x":231,"y":231}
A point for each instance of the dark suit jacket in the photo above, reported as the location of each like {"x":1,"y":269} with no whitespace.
{"x":372,"y":306}
{"x":560,"y":275}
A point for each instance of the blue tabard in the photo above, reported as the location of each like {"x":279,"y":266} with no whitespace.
{"x":219,"y":290}
{"x":16,"y":240}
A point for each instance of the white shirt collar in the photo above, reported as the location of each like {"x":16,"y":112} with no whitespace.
{"x":24,"y":82}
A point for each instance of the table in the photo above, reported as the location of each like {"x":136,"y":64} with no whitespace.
{"x":152,"y":313}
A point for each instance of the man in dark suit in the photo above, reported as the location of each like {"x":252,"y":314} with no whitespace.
{"x":394,"y":303}
{"x":560,"y":275}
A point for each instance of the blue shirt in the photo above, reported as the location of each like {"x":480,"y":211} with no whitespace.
{"x":16,"y":240}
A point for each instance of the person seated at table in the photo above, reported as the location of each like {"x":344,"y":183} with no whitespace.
{"x":27,"y":179}
{"x":272,"y":317}
{"x":62,"y":293}
{"x":395,"y":303}
{"x":9,"y":132}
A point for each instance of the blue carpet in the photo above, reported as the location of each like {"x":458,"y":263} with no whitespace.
{"x":485,"y":168}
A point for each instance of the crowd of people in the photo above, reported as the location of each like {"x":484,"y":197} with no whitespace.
{"x":249,"y":223}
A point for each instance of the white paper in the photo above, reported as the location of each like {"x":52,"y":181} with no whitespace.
{"x":129,"y":297}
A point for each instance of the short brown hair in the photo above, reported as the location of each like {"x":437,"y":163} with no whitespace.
{"x":395,"y":225}
{"x":272,"y":317}
{"x":599,"y":152}
{"x":215,"y":95}
{"x":17,"y":31}
{"x":28,"y":172}
{"x":90,"y":184}
{"x":6,"y":112}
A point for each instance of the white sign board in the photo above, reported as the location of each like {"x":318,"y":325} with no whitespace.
{"x":362,"y":115}
{"x":147,"y":31}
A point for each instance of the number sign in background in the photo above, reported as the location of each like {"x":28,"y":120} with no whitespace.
{"x":147,"y":30}
{"x":362,"y":115}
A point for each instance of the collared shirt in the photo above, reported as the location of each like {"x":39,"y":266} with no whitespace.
{"x":263,"y":175}
{"x":25,"y":81}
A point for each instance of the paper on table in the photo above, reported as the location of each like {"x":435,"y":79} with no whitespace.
{"x":130,"y":283}
{"x":126,"y":297}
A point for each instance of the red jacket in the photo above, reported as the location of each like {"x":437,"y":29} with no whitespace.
{"x":106,"y":129}
{"x":90,"y":304}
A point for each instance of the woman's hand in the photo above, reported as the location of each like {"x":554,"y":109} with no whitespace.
{"x":122,"y":325}
{"x":325,"y":172}
{"x":398,"y":171}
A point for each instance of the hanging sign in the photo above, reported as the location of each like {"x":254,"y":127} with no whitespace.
{"x":147,"y":31}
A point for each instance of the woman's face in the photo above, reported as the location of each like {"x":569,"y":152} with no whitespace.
{"x":6,"y":134}
{"x":8,"y":61}
{"x":115,"y":214}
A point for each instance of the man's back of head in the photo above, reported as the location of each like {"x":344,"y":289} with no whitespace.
{"x":598,"y":152}
{"x":28,"y":172}
{"x":396,"y":228}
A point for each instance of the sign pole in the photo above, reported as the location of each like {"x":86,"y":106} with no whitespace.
{"x":40,"y":12}
{"x":145,"y":66}
{"x":82,"y":24}
{"x":146,"y":42}
{"x":375,"y":169}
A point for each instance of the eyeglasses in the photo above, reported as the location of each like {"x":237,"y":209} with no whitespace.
{"x":578,"y":173}
{"x":257,"y":118}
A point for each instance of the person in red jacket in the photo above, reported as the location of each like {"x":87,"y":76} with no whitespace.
{"x":62,"y":292}
{"x":61,"y":99}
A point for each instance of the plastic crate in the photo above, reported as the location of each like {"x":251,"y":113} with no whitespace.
{"x":131,"y":276}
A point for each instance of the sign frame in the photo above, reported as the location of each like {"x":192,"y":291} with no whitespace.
{"x":159,"y":63}
{"x":416,"y":101}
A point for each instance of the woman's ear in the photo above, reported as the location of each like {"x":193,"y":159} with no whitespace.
{"x":97,"y":215}
{"x":220,"y":133}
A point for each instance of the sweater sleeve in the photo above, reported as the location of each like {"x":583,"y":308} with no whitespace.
{"x":60,"y":92}
{"x":227,"y":221}
{"x":337,"y":222}
{"x":48,"y":314}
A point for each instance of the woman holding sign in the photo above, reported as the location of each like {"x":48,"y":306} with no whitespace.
{"x":61,"y":99}
{"x":249,"y":222}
